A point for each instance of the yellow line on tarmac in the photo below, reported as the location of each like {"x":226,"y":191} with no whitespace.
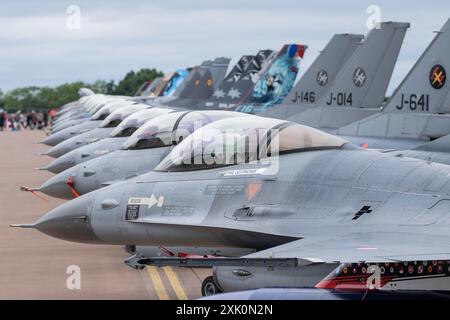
{"x":157,"y":283}
{"x":176,"y":284}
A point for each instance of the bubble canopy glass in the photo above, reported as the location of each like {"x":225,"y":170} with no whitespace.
{"x":128,"y":126}
{"x":109,"y":107}
{"x":242,"y":140}
{"x":170,"y":129}
{"x":116,"y":117}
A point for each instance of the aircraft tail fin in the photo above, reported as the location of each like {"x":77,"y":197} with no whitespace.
{"x":316,"y":81}
{"x":218,"y":69}
{"x":152,"y":87}
{"x":415,"y":108}
{"x":364,"y":79}
{"x":203,"y":86}
{"x":144,"y":86}
{"x":240,"y":81}
{"x":177,"y":80}
{"x":425,"y":88}
{"x":275,"y":81}
{"x":238,"y":69}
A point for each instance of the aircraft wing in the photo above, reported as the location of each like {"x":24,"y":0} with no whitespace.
{"x":367,"y":247}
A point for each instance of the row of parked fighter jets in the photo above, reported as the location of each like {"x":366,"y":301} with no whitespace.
{"x":320,"y":184}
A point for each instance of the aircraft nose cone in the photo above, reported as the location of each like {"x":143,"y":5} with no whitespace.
{"x":62,"y":163}
{"x":69,"y":221}
{"x":52,"y":140}
{"x":58,"y":150}
{"x":58,"y":187}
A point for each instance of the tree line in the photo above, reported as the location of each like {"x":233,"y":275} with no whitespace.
{"x":34,"y":97}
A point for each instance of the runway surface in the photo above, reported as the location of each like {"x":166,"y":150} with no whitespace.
{"x":34,"y":266}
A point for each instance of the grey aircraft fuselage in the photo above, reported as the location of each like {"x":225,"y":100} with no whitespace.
{"x":85,"y":153}
{"x":130,"y":160}
{"x":119,"y":112}
{"x":103,"y":146}
{"x":87,"y":125}
{"x":306,"y":196}
{"x":317,"y":192}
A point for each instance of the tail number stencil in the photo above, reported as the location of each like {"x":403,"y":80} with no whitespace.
{"x":340,"y":99}
{"x":304,"y":97}
{"x":414,"y":102}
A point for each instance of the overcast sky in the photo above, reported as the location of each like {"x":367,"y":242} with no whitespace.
{"x":37,"y":47}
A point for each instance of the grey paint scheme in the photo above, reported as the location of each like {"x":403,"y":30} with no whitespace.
{"x":102,"y":171}
{"x":103,"y":146}
{"x":71,"y":131}
{"x":306,"y":211}
{"x":96,"y":134}
{"x":376,"y":56}
{"x":408,"y":131}
{"x":85,"y":153}
{"x":88,"y":125}
{"x":312,"y":194}
{"x":120,"y":164}
{"x":406,"y":123}
{"x":78,"y":141}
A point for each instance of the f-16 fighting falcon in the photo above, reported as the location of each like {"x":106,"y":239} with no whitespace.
{"x":340,"y":47}
{"x":192,"y":86}
{"x":117,"y":137}
{"x":139,"y":154}
{"x":196,"y":85}
{"x":103,"y":130}
{"x":318,"y":210}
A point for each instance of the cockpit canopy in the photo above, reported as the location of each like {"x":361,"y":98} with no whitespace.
{"x":116,"y":117}
{"x":170,"y":129}
{"x":109,"y":107}
{"x":243,"y":140}
{"x":128,"y":126}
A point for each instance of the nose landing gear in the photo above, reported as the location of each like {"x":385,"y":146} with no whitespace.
{"x":209,"y":287}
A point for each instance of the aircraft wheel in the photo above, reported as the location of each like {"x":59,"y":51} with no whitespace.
{"x":209,"y":287}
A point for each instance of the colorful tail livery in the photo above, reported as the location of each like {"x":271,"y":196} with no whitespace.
{"x":359,"y":88}
{"x":218,"y":69}
{"x":239,"y":82}
{"x":149,"y":89}
{"x":175,"y":82}
{"x":319,"y":77}
{"x":276,"y":80}
{"x":419,"y":107}
{"x":199,"y":83}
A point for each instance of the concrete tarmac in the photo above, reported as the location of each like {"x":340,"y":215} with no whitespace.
{"x":35,"y":266}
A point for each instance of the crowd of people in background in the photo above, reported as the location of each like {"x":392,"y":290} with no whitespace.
{"x":23,"y":120}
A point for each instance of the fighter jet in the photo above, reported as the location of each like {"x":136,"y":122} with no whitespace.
{"x":244,"y":80}
{"x":316,"y":208}
{"x":85,"y":108}
{"x":100,"y":115}
{"x":99,"y":100}
{"x":340,"y":46}
{"x":117,"y":137}
{"x":139,"y":154}
{"x":105,"y":127}
{"x":194,"y":86}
